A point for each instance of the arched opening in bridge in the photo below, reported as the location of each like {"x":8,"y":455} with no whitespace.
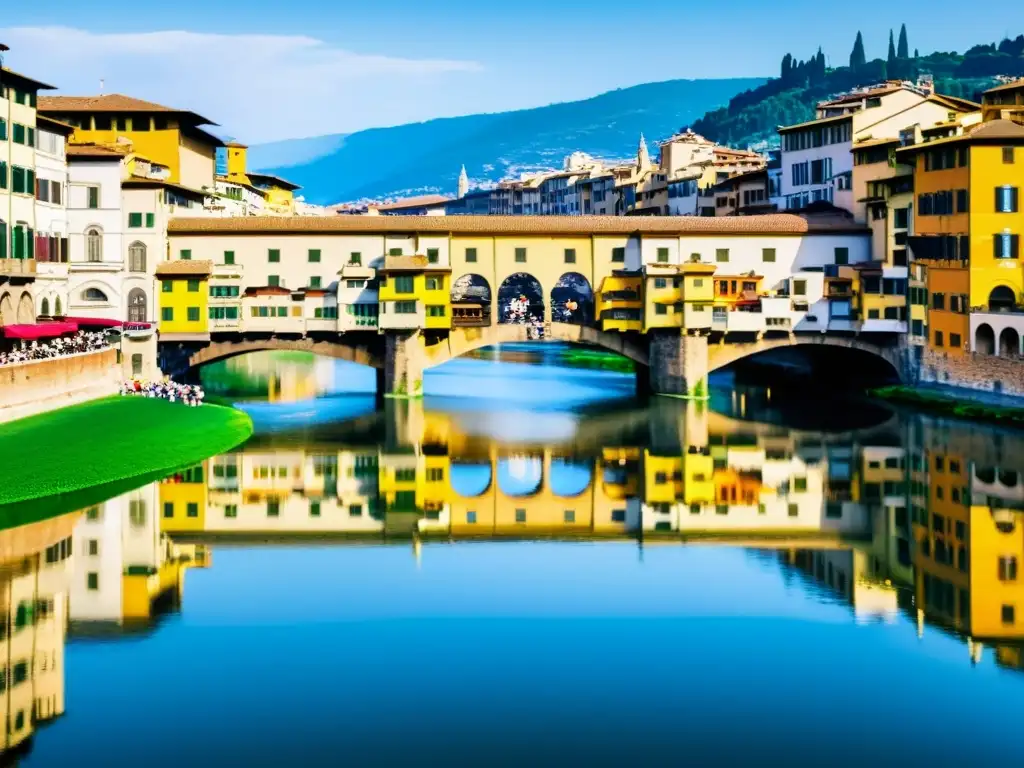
{"x":520,"y":300}
{"x":1009,"y":343}
{"x":572,"y":300}
{"x":521,"y":475}
{"x":471,"y":301}
{"x":985,"y":339}
{"x":570,"y":477}
{"x":470,"y":479}
{"x":1002,"y":299}
{"x":806,"y":378}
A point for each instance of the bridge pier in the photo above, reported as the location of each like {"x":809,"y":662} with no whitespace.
{"x":678,"y":363}
{"x":403,"y":364}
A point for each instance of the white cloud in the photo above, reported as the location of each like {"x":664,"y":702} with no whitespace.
{"x":258,"y":87}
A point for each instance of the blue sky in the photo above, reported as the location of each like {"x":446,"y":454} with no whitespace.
{"x":335,"y":67}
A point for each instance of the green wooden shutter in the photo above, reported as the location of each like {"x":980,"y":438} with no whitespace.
{"x":150,"y":220}
{"x":3,"y":239}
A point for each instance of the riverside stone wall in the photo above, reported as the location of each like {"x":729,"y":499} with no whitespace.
{"x":43,"y":385}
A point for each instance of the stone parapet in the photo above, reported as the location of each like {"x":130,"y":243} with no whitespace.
{"x":44,"y":385}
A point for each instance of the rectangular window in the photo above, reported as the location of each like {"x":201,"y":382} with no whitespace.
{"x":274,"y":281}
{"x":394,"y":251}
{"x":1006,"y":200}
{"x":193,"y":314}
{"x":150,"y":220}
{"x":273,"y":508}
{"x":167,"y":314}
{"x":663,"y":255}
{"x":93,"y":197}
{"x":660,"y":309}
{"x":768,"y":255}
{"x":273,"y":255}
{"x":404,"y":284}
{"x":405,"y":307}
{"x":842,"y":255}
{"x":168,"y":509}
{"x":471,"y":255}
{"x":520,"y":515}
{"x":355,"y":259}
{"x":660,"y":282}
{"x":18,"y":135}
{"x":434,"y":310}
{"x":938,"y":339}
{"x":962,"y":201}
{"x":618,"y":255}
{"x":570,"y":255}
{"x":167,"y":286}
{"x":520,"y":255}
{"x":799,"y":287}
{"x":193,"y":286}
{"x":433,"y":255}
{"x":18,"y":179}
{"x":721,"y":255}
{"x":92,"y":581}
{"x":314,"y":256}
{"x":1008,"y":158}
{"x":314,"y":282}
{"x":134,"y":220}
{"x":1007,"y":246}
{"x":185,"y":254}
{"x":954,"y":340}
{"x":229,"y":257}
{"x":433,"y":283}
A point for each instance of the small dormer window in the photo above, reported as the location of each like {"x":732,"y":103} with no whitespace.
{"x":874,"y":101}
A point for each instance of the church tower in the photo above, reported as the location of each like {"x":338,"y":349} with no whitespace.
{"x":463,"y":182}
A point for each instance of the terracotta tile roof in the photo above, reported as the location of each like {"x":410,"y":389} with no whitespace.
{"x":411,"y":264}
{"x":817,"y":121}
{"x":110,"y":102}
{"x":276,"y":181}
{"x":776,"y":223}
{"x":9,"y":75}
{"x":95,"y":151}
{"x":411,"y":202}
{"x":184,"y":268}
{"x":54,"y":126}
{"x":954,"y":102}
{"x":994,"y":131}
{"x":853,"y":98}
{"x":1011,"y":86}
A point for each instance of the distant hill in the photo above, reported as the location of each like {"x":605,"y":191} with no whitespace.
{"x":426,"y":157}
{"x":753,"y":116}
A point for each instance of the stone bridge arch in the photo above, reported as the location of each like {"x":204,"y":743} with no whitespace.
{"x":724,"y":354}
{"x":463,"y":340}
{"x":222,"y":350}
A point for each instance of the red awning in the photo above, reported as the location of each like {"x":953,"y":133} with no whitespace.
{"x":39,"y":330}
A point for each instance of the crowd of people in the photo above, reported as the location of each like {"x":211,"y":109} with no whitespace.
{"x":189,"y":394}
{"x":83,"y":341}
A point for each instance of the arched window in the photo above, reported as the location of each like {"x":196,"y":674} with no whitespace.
{"x":93,"y":294}
{"x":93,"y":244}
{"x":137,"y":306}
{"x":137,"y":257}
{"x":1002,"y":299}
{"x":58,"y":311}
{"x":44,"y":309}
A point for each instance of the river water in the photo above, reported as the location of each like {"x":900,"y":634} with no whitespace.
{"x":531,"y":566}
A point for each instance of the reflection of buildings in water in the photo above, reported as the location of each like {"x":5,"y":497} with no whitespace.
{"x":287,"y":376}
{"x":35,"y":566}
{"x":125,"y":566}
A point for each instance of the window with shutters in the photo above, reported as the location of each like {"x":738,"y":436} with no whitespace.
{"x":1007,"y":199}
{"x":273,"y":255}
{"x":618,"y":255}
{"x":1007,"y":246}
{"x":136,"y":257}
{"x":93,"y":244}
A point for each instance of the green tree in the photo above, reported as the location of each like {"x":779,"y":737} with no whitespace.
{"x":892,"y":50}
{"x":904,"y":48}
{"x":857,"y":57}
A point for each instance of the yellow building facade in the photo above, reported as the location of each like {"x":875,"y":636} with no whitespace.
{"x":183,"y":298}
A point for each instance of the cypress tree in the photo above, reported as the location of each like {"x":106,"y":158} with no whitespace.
{"x":892,"y":49}
{"x":857,"y":57}
{"x":904,"y":48}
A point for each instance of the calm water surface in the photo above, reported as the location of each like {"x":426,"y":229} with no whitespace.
{"x":531,"y":566}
